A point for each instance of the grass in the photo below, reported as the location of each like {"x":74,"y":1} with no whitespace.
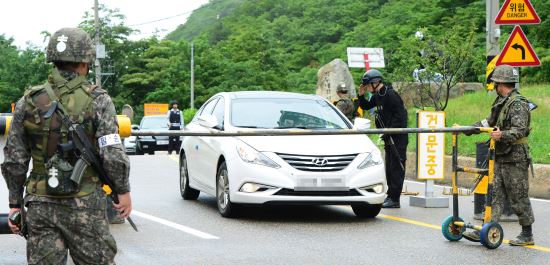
{"x":474,"y":107}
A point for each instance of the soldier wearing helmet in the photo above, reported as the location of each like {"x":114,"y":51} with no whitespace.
{"x":390,"y":112}
{"x":510,"y":116}
{"x":175,"y":122}
{"x":62,"y":214}
{"x":345,"y":104}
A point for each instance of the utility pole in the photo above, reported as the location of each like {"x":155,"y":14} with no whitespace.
{"x":192,"y":104}
{"x":493,"y":30}
{"x":96,"y":26}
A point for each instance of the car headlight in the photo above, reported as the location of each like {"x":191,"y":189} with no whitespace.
{"x":250,"y":187}
{"x":373,"y":158}
{"x":250,"y":155}
{"x":376,"y":188}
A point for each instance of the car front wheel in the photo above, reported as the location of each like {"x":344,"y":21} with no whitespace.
{"x":225,"y":206}
{"x":366,"y":210}
{"x":187,"y":193}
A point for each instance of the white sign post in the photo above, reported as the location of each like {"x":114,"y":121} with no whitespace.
{"x":430,"y":159}
{"x":365,"y":58}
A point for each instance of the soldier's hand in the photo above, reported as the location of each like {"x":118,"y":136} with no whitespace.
{"x":362,"y":89}
{"x":124,"y":206}
{"x":496,"y":134}
{"x":13,"y":227}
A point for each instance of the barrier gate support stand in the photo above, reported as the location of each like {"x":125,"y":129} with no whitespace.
{"x":430,"y":159}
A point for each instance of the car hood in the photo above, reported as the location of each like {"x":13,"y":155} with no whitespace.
{"x":311,"y":145}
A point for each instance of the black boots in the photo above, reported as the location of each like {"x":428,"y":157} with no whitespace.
{"x":525,"y":238}
{"x":390,"y":203}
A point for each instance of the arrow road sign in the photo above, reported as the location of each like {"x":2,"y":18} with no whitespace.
{"x":518,"y":51}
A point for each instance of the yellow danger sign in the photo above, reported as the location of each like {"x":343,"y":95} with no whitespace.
{"x":516,"y":12}
{"x":518,"y":51}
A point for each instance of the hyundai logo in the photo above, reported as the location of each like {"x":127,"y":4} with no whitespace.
{"x":320,"y":161}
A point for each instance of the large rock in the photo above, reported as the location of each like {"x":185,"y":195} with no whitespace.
{"x":330,"y":76}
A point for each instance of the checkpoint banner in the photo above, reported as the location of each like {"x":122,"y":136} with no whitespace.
{"x":154,"y":109}
{"x":431,"y":146}
{"x":518,"y":51}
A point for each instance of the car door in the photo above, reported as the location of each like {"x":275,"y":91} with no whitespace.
{"x":201,"y":154}
{"x":212,"y":146}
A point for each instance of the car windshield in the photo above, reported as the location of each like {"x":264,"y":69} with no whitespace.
{"x":281,"y":113}
{"x":157,"y":122}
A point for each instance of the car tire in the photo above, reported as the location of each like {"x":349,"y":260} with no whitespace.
{"x":366,"y":210}
{"x":139,"y":151}
{"x":187,"y":193}
{"x":225,"y":206}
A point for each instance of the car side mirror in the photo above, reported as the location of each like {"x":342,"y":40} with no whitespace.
{"x":209,"y":121}
{"x":361,"y":124}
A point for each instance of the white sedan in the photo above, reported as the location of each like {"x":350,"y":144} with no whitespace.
{"x":320,"y":169}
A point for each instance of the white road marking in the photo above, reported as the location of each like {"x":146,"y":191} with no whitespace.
{"x":182,"y":228}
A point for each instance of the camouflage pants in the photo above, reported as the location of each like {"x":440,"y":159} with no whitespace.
{"x":512,"y":181}
{"x":54,"y":229}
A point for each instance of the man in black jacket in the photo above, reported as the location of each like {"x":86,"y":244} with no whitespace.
{"x":390,"y":112}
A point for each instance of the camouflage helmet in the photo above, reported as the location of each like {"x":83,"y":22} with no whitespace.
{"x":70,"y":45}
{"x":342,"y":88}
{"x":371,"y":76}
{"x":505,"y":74}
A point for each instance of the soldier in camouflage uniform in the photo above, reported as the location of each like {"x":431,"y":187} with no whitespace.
{"x":62,"y":215}
{"x":345,"y":104}
{"x":510,"y":115}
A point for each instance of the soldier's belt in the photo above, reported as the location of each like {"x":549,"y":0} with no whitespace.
{"x":523,"y":140}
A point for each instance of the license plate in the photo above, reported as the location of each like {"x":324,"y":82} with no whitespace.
{"x":162,"y":142}
{"x":305,"y":183}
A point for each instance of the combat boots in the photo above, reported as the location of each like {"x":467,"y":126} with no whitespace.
{"x":525,"y":238}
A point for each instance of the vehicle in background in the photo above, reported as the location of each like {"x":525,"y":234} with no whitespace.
{"x":317,"y":169}
{"x":130,"y":142}
{"x":150,"y":144}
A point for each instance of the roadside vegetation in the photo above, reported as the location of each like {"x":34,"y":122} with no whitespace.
{"x":474,"y":107}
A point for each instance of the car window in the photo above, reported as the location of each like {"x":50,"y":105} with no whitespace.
{"x":153,"y":122}
{"x":280,"y":113}
{"x":219,"y":111}
{"x":206,"y":108}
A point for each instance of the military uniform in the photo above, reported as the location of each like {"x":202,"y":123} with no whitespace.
{"x":511,"y":114}
{"x":61,"y":216}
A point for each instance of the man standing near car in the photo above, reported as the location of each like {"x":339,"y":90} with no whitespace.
{"x":175,"y":122}
{"x":390,"y":113}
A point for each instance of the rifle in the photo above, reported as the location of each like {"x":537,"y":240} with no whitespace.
{"x":389,"y":143}
{"x":87,"y":156}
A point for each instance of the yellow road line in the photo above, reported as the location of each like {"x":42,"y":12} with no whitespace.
{"x":410,"y":221}
{"x":438,"y":227}
{"x":174,"y":157}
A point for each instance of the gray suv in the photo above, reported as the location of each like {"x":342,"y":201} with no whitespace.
{"x":150,"y":144}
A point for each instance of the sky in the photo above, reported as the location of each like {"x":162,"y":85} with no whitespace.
{"x":23,"y":20}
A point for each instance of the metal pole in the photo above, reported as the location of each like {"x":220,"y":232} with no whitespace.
{"x":192,"y":104}
{"x":96,"y":26}
{"x":493,"y":30}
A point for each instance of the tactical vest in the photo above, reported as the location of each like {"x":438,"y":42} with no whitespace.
{"x":503,"y":124}
{"x":45,"y":134}
{"x":347,"y":107}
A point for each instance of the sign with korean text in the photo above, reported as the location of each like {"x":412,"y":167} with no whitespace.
{"x":517,"y":12}
{"x":365,"y":57}
{"x":431,"y":146}
{"x":154,"y":109}
{"x":518,"y":51}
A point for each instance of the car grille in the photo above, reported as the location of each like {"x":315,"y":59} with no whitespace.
{"x":318,"y":163}
{"x":290,"y":192}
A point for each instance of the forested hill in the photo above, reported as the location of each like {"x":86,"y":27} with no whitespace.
{"x":280,"y":45}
